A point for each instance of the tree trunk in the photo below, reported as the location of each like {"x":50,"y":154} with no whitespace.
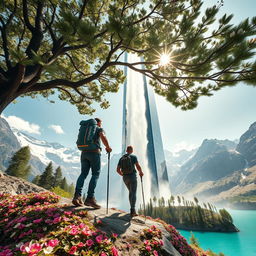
{"x":5,"y":100}
{"x":9,"y":89}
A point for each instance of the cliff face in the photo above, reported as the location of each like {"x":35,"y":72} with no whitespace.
{"x":247,"y":145}
{"x":8,"y":143}
{"x":214,"y":160}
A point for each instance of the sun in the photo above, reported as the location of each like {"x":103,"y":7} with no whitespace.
{"x":164,"y":59}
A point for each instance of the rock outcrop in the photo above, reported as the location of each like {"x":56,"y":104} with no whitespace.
{"x":13,"y":185}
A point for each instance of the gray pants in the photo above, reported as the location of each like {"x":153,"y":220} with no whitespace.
{"x":130,"y":180}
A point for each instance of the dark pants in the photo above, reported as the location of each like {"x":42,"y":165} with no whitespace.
{"x":88,"y":160}
{"x":130,"y":181}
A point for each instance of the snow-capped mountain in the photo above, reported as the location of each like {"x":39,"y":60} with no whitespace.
{"x":68,"y":159}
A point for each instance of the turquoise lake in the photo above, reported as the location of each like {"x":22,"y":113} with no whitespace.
{"x":242,"y":243}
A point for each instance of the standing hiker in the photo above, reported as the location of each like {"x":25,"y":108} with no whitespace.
{"x":89,"y":137}
{"x":126,"y":168}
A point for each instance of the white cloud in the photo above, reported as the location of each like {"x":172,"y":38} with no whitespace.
{"x":57,"y":128}
{"x":22,"y":125}
{"x":184,"y":145}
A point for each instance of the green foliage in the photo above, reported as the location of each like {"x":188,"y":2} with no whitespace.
{"x":226,"y":217}
{"x":36,"y":180}
{"x":19,"y":163}
{"x":76,"y":49}
{"x":57,"y":177}
{"x":193,"y":240}
{"x":46,"y":178}
{"x":188,"y":215}
{"x":60,"y":192}
{"x":64,"y":184}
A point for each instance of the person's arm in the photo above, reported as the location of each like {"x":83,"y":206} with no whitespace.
{"x":118,"y":169}
{"x":139,"y":169}
{"x":105,"y":142}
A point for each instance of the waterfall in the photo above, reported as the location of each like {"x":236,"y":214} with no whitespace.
{"x":136,"y":124}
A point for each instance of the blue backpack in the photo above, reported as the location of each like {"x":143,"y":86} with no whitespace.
{"x":87,"y":135}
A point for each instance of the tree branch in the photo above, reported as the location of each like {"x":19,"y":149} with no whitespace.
{"x":82,"y":10}
{"x":25,"y":15}
{"x":148,"y":15}
{"x":74,"y":65}
{"x":5,"y":44}
{"x":70,"y":95}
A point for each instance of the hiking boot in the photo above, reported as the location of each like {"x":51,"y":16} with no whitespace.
{"x":92,"y":202}
{"x":133,"y":213}
{"x":77,"y":201}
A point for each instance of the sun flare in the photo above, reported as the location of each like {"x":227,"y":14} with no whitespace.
{"x":164,"y":59}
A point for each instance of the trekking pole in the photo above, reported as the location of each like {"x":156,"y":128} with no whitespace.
{"x":143,"y":196}
{"x":108,"y":180}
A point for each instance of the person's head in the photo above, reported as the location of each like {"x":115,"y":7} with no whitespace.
{"x":98,"y":121}
{"x":129,"y":149}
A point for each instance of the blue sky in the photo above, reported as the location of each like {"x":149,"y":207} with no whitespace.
{"x":226,"y":115}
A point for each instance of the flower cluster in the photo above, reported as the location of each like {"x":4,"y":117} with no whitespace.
{"x":33,"y":224}
{"x":179,"y":242}
{"x":152,"y":243}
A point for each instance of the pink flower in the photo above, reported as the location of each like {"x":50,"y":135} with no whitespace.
{"x":99,"y":238}
{"x":146,"y":242}
{"x":33,"y":249}
{"x":80,"y":244}
{"x":68,"y":213}
{"x":114,"y":251}
{"x":161,"y":242}
{"x":99,"y":222}
{"x":89,"y":242}
{"x":103,"y":254}
{"x":114,"y":235}
{"x":86,"y":232}
{"x":72,"y":250}
{"x":53,"y":242}
{"x":73,"y":231}
{"x":82,"y":225}
{"x":155,"y":253}
{"x":21,"y":226}
{"x":37,"y":220}
{"x":57,"y":220}
{"x":6,"y":252}
{"x":148,"y":248}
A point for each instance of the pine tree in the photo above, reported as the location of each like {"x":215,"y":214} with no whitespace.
{"x":49,"y":48}
{"x":64,"y":184}
{"x":71,"y":188}
{"x":57,"y":177}
{"x":47,"y":177}
{"x":36,"y":180}
{"x":19,"y":163}
{"x":179,"y":200}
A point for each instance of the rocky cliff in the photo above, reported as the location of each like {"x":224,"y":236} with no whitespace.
{"x":247,"y":145}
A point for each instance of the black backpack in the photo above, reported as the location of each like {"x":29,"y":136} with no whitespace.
{"x":126,"y":164}
{"x":86,"y":136}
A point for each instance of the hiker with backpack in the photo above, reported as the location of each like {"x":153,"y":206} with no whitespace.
{"x":126,"y":168}
{"x":89,"y":137}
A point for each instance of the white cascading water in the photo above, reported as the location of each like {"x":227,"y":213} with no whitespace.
{"x":137,"y":125}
